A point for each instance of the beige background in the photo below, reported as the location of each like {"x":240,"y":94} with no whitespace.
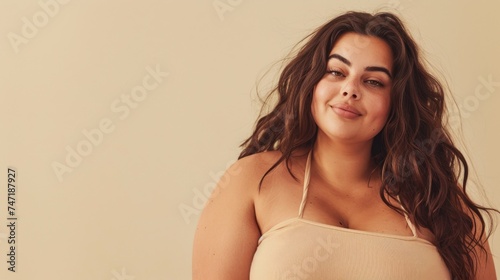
{"x":123,"y":210}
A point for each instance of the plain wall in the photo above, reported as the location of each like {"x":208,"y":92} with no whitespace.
{"x":129,"y":206}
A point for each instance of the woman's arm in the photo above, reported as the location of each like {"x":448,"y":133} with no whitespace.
{"x":485,"y":266}
{"x":227,"y":232}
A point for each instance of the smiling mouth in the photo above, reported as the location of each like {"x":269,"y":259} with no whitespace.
{"x":345,"y":111}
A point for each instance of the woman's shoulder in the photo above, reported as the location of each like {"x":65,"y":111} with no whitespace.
{"x":266,"y":159}
{"x":255,"y":166}
{"x":261,"y":158}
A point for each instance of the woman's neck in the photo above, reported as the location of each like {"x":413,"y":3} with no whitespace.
{"x":342,"y":165}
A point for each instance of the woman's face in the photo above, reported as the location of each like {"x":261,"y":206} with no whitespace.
{"x":352,"y":101}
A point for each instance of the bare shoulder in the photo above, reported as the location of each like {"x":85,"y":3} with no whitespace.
{"x":251,"y":169}
{"x":260,"y":161}
{"x":227,"y":233}
{"x":241,"y":180}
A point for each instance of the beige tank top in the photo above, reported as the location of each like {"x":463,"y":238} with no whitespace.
{"x":302,"y":249}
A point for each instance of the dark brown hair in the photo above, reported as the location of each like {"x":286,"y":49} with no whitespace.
{"x":418,"y":159}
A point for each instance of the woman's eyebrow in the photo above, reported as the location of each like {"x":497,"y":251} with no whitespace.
{"x":379,"y":69}
{"x":368,"y":68}
{"x":341,"y":58}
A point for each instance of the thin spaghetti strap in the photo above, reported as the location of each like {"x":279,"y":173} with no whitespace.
{"x":410,"y":224}
{"x":306,"y":184}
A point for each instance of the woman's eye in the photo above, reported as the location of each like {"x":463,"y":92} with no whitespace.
{"x":336,"y":73}
{"x":374,"y":83}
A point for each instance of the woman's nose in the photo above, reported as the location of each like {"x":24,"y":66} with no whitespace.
{"x":351,"y":90}
{"x":353,"y":95}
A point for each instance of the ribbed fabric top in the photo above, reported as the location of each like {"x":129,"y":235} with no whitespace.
{"x":302,"y":249}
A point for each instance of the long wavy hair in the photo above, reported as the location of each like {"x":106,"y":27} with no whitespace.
{"x":414,"y":150}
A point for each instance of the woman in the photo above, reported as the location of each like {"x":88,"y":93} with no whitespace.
{"x":352,"y":175}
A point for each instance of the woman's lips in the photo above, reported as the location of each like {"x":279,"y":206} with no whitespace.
{"x":346,"y":111}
